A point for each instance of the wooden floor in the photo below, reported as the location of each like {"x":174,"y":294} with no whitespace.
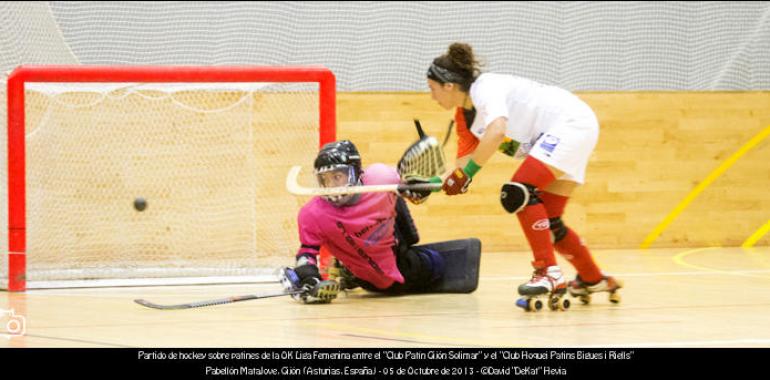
{"x":709,"y":297}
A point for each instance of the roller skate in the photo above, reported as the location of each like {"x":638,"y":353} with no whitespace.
{"x":583,"y":290}
{"x":546,"y":286}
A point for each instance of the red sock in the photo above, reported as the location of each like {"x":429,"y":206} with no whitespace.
{"x":554,"y":203}
{"x":534,"y":223}
{"x":534,"y":218}
{"x":571,"y":247}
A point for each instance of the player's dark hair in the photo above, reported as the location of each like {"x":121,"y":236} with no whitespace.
{"x":459,"y":65}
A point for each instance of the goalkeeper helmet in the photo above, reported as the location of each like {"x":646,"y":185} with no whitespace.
{"x":339,"y":164}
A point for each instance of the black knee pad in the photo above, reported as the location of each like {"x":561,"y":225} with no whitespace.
{"x":558,"y":229}
{"x":515,"y":196}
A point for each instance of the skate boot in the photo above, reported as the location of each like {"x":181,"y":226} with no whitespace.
{"x":547,"y":285}
{"x":312,"y":291}
{"x":582,"y":290}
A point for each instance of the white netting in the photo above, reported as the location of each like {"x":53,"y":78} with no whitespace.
{"x":28,"y":34}
{"x":210,"y":163}
{"x":387,"y":46}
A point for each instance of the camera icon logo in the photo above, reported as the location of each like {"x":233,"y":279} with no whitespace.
{"x":11,"y":324}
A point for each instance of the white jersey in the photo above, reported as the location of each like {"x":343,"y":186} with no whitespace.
{"x":550,"y":123}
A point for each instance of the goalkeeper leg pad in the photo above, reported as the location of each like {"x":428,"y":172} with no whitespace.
{"x":461,"y":260}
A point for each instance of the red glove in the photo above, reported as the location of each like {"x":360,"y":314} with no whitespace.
{"x":456,"y":183}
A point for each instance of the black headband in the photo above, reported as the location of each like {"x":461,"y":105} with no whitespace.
{"x":442,"y":75}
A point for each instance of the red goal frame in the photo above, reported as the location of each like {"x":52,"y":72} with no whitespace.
{"x":143,"y":74}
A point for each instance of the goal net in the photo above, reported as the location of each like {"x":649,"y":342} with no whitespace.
{"x":203,"y":152}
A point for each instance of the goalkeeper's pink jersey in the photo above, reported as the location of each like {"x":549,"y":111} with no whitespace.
{"x":361,"y":236}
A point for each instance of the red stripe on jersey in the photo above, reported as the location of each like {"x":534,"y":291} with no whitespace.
{"x":466,"y":141}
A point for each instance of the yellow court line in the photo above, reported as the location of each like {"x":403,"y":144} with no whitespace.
{"x":679,"y":259}
{"x":702,"y":186}
{"x":758,"y":234}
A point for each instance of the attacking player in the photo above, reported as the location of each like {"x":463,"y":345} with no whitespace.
{"x":556,"y":132}
{"x":372,"y":236}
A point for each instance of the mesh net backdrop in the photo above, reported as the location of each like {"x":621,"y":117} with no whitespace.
{"x":387,"y":46}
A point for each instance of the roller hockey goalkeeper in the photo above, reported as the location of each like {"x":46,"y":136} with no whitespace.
{"x":372,"y":237}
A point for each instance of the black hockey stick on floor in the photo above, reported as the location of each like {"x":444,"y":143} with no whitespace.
{"x":220,"y":301}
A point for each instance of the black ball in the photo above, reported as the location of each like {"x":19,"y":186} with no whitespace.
{"x":140,"y":204}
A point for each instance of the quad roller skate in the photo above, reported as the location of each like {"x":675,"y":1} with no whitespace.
{"x":583,"y":290}
{"x":547,"y":287}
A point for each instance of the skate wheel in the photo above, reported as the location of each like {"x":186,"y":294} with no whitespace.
{"x":553,"y":303}
{"x":529,"y":304}
{"x":561,"y":304}
{"x":586,"y":299}
{"x":615,"y":298}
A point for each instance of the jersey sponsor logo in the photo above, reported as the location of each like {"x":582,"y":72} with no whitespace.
{"x":361,"y":253}
{"x":549,"y":143}
{"x":509,"y":147}
{"x":378,"y":234}
{"x":541,"y":225}
{"x":367,"y":228}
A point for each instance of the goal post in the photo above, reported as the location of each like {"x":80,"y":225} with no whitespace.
{"x":207,"y":148}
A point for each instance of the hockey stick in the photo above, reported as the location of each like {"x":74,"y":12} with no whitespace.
{"x":422,"y":134}
{"x":423,"y":159}
{"x":293,"y":186}
{"x":220,"y":301}
{"x":448,"y":133}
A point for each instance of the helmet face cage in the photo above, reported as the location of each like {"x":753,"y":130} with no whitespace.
{"x":339,"y":156}
{"x":352,"y":180}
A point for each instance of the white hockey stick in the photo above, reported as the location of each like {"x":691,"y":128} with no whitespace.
{"x":295,"y":188}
